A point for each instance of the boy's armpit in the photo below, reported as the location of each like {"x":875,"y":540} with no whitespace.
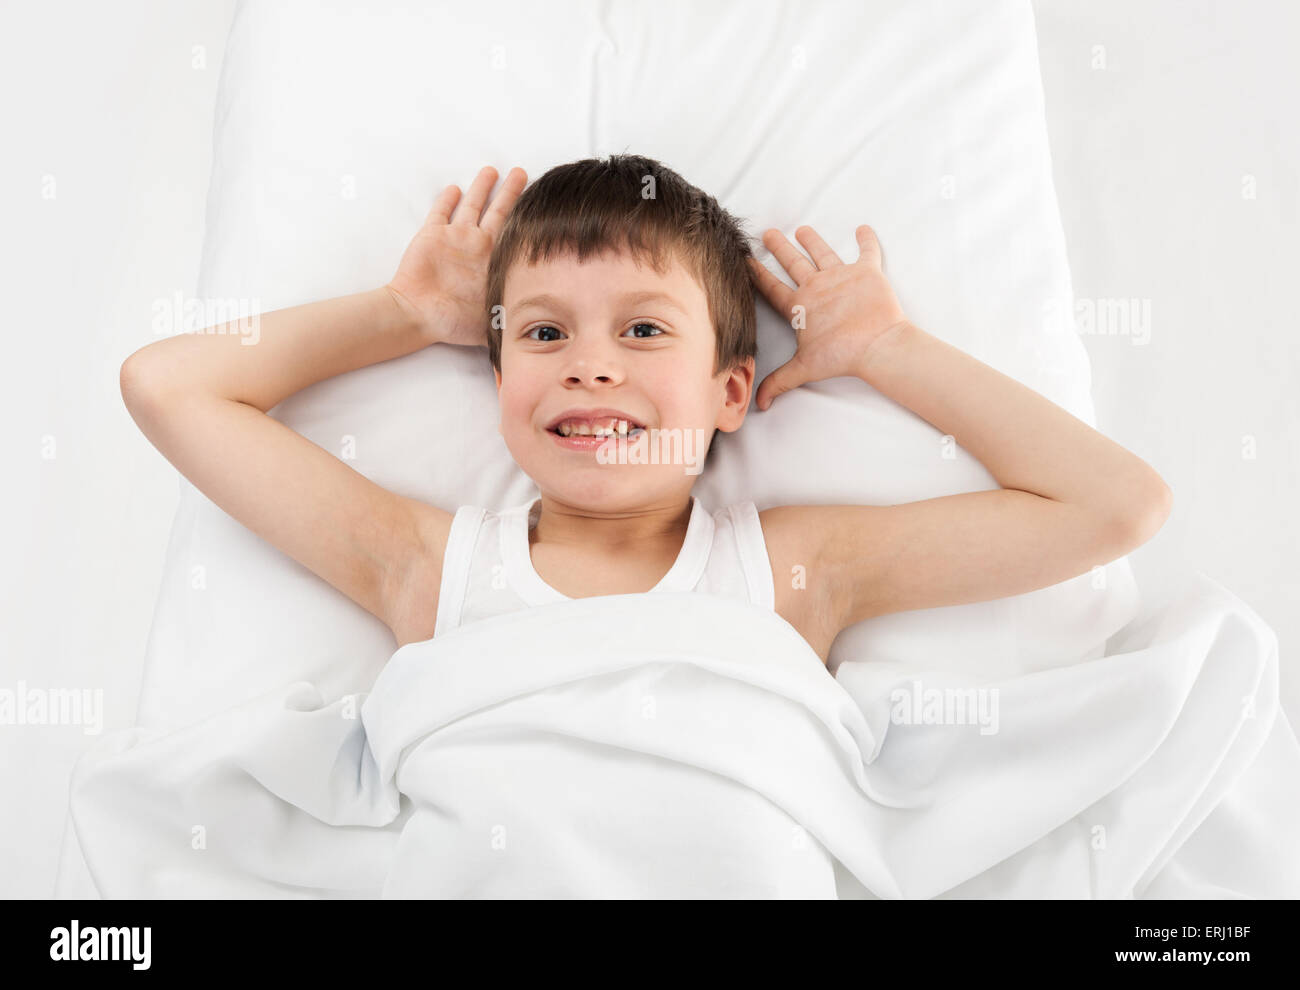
{"x":414,"y":582}
{"x":803,"y":591}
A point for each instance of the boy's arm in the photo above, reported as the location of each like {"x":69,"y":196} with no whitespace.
{"x":1098,"y":502}
{"x":202,"y":399}
{"x":1070,"y":498}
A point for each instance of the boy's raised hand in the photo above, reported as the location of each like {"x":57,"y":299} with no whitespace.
{"x":442,"y":277}
{"x":838,"y":311}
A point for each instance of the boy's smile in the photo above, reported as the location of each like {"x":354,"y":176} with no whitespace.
{"x":587,"y":429}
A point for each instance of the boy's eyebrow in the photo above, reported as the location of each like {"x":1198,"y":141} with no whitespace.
{"x":546,"y":300}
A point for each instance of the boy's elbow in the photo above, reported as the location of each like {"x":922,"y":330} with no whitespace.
{"x":1148,"y":514}
{"x":130,"y":378}
{"x":137,"y":378}
{"x":139,"y":382}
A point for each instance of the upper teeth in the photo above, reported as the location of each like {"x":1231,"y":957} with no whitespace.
{"x":603,"y":428}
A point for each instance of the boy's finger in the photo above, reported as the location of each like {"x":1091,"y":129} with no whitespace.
{"x":816,"y":247}
{"x":792,"y":260}
{"x":504,"y":201}
{"x":783,"y":379}
{"x":440,"y":212}
{"x":869,"y":245}
{"x":471,"y":207}
{"x":776,"y":292}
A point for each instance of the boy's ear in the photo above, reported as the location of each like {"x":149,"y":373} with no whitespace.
{"x":739,"y":391}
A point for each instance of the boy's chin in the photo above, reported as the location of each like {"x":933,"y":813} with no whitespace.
{"x":600,"y":491}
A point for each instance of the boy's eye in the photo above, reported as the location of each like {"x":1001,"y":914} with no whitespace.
{"x":658,"y":331}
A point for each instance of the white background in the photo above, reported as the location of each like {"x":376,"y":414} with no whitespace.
{"x":1157,"y":113}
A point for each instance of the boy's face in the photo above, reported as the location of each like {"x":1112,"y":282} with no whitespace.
{"x":577,"y":336}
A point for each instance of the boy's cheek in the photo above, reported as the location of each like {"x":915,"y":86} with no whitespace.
{"x":512,"y":407}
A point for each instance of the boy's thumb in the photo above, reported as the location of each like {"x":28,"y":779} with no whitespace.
{"x":784,"y":378}
{"x":869,"y":245}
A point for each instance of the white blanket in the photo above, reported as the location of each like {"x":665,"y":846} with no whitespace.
{"x":687,"y":745}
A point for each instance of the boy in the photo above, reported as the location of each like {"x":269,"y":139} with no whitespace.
{"x":612,"y":316}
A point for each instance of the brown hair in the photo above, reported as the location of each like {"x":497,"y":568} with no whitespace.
{"x":632,"y":203}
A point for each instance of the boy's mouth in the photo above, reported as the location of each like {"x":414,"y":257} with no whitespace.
{"x":588,"y":434}
{"x":596,"y":425}
{"x":589,"y":442}
{"x":577,"y":431}
{"x":595,"y":440}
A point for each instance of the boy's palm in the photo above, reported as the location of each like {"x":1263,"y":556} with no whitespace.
{"x":838,"y":310}
{"x":442,"y":277}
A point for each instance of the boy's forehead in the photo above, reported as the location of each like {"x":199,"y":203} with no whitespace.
{"x":554,"y":280}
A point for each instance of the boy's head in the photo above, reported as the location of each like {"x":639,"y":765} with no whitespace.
{"x":615,"y":284}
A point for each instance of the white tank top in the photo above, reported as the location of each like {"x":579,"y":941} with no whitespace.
{"x":487,"y":569}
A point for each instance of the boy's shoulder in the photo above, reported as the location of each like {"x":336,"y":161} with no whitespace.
{"x":804,"y":526}
{"x":795,"y":536}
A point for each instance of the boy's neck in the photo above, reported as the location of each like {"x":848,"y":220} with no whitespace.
{"x":648,"y":527}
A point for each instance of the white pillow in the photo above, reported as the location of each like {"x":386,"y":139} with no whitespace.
{"x":336,"y":125}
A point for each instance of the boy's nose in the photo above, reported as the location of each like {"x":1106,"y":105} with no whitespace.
{"x":580,"y":378}
{"x":594,"y":363}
